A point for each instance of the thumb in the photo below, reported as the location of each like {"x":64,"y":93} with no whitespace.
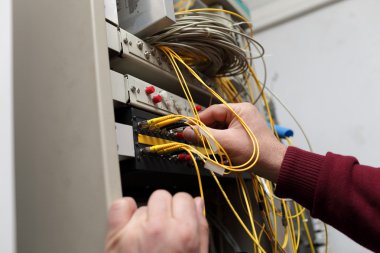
{"x":189,"y":134}
{"x":120,"y":213}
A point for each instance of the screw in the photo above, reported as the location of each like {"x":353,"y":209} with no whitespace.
{"x":139,"y":45}
{"x":147,"y":54}
{"x":133,"y":89}
{"x":138,"y":91}
{"x":125,"y":40}
{"x":130,"y":43}
{"x":153,"y":51}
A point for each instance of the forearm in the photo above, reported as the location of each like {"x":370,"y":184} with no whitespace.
{"x":335,"y":189}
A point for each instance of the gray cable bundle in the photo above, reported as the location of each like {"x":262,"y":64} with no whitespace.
{"x":208,"y":42}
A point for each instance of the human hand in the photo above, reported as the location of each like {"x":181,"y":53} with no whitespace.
{"x":228,"y":131}
{"x":168,"y":223}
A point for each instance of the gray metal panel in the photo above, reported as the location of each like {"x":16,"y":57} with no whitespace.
{"x":110,"y":9}
{"x":119,"y":91}
{"x":154,"y":69}
{"x":113,"y":37}
{"x":170,"y":103}
{"x":67,"y":169}
{"x":145,"y":17}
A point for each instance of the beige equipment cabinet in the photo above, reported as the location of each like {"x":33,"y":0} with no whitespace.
{"x":67,"y":171}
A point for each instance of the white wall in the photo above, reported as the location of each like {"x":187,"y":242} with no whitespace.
{"x":326,"y":68}
{"x":7,"y":225}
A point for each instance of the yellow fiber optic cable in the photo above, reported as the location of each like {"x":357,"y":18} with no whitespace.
{"x":290,"y":225}
{"x":162,"y":118}
{"x":297,"y":207}
{"x":298,"y":214}
{"x":304,"y":221}
{"x":207,"y":140}
{"x":168,"y":122}
{"x":241,"y":197}
{"x":181,"y":79}
{"x":198,"y":177}
{"x":248,"y":205}
{"x":250,"y":92}
{"x":286,"y":239}
{"x":254,"y":239}
{"x":254,"y":157}
{"x":264,"y":100}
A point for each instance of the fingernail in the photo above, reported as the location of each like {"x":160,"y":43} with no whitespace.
{"x":118,"y":206}
{"x":188,"y":133}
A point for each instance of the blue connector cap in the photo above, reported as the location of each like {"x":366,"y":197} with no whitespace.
{"x":282,"y":132}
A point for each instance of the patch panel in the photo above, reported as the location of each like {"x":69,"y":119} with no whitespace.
{"x":136,"y":46}
{"x":131,"y":90}
{"x":143,"y":137}
{"x":147,"y":170}
{"x":168,"y":137}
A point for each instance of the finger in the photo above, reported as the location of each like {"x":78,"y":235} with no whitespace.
{"x":191,"y":134}
{"x":216,"y":114}
{"x":160,"y":205}
{"x":139,"y":217}
{"x":183,"y":207}
{"x":203,"y":225}
{"x":120,"y":214}
{"x":220,"y":135}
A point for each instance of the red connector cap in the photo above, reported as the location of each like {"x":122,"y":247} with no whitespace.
{"x":157,"y":99}
{"x":149,"y":90}
{"x":198,"y":108}
{"x":179,"y":135}
{"x":184,"y":157}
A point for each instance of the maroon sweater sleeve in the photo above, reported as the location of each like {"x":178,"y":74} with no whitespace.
{"x":337,"y":190}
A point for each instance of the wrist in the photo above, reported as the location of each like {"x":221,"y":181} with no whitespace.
{"x":278,"y":158}
{"x":271,"y":160}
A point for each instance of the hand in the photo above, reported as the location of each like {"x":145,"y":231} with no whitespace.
{"x":235,"y":140}
{"x":167,"y":224}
